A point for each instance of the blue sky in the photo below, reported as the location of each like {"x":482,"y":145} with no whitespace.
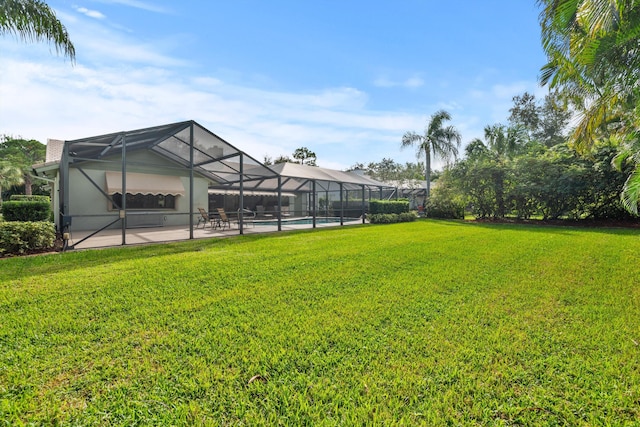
{"x":345,"y":78}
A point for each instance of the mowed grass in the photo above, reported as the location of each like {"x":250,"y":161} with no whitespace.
{"x":426,"y":323}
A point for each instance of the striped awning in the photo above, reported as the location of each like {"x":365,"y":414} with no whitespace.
{"x":142,"y":183}
{"x":229,"y":192}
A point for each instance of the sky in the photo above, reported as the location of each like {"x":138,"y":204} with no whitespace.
{"x":344,"y":78}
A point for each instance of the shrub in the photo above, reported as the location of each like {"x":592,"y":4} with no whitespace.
{"x":407,"y":217}
{"x":32,"y":198}
{"x":388,"y":206}
{"x":382,"y":218}
{"x":20,"y":237}
{"x":391,"y":218}
{"x":22,"y":210}
{"x":444,"y":208}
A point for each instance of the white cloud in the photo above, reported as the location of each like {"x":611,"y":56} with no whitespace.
{"x":410,"y":83}
{"x":413,"y":82}
{"x":90,"y":13}
{"x":55,"y":100}
{"x":150,"y":7}
{"x":102,"y":41}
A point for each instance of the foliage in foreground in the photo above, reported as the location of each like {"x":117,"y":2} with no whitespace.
{"x":592,"y":46}
{"x":19,"y":237}
{"x":426,"y":323}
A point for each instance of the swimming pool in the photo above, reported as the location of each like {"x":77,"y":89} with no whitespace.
{"x":303,"y":221}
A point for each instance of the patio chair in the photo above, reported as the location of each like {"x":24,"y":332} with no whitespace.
{"x":204,"y":218}
{"x":261,"y":212}
{"x":224,"y":219}
{"x":248,"y":216}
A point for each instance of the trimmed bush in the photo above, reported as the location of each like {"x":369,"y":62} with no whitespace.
{"x":21,"y":237}
{"x":22,"y":210}
{"x":32,"y":198}
{"x":407,"y":217}
{"x":388,"y":206}
{"x":392,"y":218}
{"x":444,"y":208}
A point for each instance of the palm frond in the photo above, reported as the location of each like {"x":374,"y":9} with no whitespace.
{"x":33,"y":21}
{"x":630,"y":196}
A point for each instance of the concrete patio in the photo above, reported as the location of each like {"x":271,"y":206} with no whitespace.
{"x":136,"y":236}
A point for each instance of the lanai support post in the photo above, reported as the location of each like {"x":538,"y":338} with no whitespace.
{"x":341,"y":205}
{"x":241,"y":210}
{"x":346,"y":199}
{"x":280,"y":203}
{"x":364,"y":214}
{"x":313,"y":203}
{"x":191,"y":181}
{"x":123,"y":210}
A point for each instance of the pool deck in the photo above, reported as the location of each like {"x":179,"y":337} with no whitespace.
{"x":137,"y":236}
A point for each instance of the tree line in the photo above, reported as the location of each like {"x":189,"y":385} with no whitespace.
{"x":530,"y":167}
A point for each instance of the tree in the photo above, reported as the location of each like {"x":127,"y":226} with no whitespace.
{"x":437,"y":139}
{"x":385,"y":170}
{"x":525,"y":113}
{"x":282,"y":159}
{"x":554,"y":118}
{"x":304,"y":156}
{"x":503,"y":141}
{"x":34,"y":20}
{"x":592,"y":46}
{"x":544,"y":124}
{"x":10,"y":175}
{"x":22,"y":154}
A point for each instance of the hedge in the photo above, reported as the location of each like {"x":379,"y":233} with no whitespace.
{"x":22,"y":210}
{"x":32,"y":198}
{"x":388,"y":206}
{"x":444,"y":209}
{"x":20,"y":237}
{"x":392,"y":218}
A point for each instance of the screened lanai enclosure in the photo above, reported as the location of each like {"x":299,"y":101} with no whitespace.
{"x":183,"y":181}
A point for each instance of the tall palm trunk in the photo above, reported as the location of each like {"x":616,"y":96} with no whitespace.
{"x":427,"y":175}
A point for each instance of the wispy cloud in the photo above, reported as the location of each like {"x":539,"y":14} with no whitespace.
{"x":90,"y":13}
{"x":411,"y":82}
{"x":99,"y":40}
{"x":54,"y":101}
{"x":139,"y":5}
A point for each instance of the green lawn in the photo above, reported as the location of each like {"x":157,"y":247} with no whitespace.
{"x":425,"y":323}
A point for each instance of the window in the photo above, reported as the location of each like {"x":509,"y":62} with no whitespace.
{"x":145,"y":201}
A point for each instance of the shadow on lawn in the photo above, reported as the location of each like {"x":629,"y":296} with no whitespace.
{"x":620,"y":228}
{"x":18,"y":267}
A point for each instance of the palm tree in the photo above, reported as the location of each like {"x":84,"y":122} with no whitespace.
{"x":438,"y":140}
{"x":34,"y":20}
{"x":504,"y":141}
{"x":9,"y":175}
{"x":592,"y":48}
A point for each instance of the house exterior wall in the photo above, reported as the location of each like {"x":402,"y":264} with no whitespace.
{"x":91,"y":210}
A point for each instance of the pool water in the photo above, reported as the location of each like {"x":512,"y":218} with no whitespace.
{"x":304,"y":221}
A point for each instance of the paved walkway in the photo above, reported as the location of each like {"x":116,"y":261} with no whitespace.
{"x":137,"y":236}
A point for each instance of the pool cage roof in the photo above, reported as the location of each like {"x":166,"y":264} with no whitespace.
{"x":191,"y":146}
